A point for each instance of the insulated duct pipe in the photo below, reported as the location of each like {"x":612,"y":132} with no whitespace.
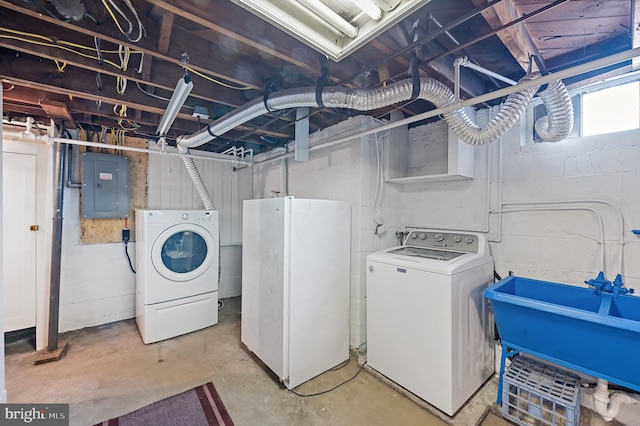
{"x":365,"y":100}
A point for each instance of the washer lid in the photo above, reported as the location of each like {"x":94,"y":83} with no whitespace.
{"x":183,"y":252}
{"x":426,"y":253}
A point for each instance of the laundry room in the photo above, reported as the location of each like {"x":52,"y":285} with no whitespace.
{"x":393,"y":233}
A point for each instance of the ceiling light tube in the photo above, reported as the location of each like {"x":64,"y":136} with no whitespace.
{"x":178,"y":98}
{"x":370,"y":8}
{"x":331,"y":17}
{"x":387,"y":5}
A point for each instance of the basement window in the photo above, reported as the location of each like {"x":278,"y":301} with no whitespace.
{"x":606,"y":107}
{"x":613,"y":109}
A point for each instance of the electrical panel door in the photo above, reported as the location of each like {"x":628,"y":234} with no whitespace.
{"x":105,"y":185}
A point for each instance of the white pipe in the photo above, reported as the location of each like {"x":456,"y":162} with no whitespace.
{"x":28,"y":124}
{"x":582,"y":201}
{"x":502,"y":203}
{"x":468,"y":64}
{"x":20,"y":137}
{"x":608,"y":405}
{"x":456,"y":78}
{"x":600,"y":239}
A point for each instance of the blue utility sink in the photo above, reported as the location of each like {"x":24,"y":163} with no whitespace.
{"x":596,"y":332}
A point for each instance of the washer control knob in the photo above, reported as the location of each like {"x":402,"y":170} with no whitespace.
{"x":423,"y":236}
{"x":185,"y":216}
{"x":439,"y":237}
{"x":457,"y":238}
{"x":468,"y":239}
{"x":414,"y":236}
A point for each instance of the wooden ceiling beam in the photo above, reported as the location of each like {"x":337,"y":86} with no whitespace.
{"x":165,"y":78}
{"x":165,"y":31}
{"x":75,"y":86}
{"x":27,"y":101}
{"x":217,"y":16}
{"x":200,"y":60}
{"x":229,"y":21}
{"x":516,"y":38}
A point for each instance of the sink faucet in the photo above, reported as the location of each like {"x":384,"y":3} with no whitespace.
{"x":600,"y":283}
{"x":603,"y":285}
{"x":618,"y":287}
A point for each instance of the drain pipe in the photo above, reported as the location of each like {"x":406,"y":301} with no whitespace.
{"x":608,"y":405}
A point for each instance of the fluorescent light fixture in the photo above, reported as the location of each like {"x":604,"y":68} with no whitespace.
{"x":387,"y":5}
{"x":370,"y":8}
{"x":326,"y":13}
{"x":335,"y":28}
{"x":178,"y":98}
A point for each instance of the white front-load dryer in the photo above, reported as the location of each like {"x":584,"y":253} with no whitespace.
{"x":177,"y":253}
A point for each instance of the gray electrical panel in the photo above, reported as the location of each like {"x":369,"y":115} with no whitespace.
{"x":105,"y":185}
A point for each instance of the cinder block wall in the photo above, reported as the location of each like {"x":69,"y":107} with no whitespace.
{"x":559,"y":245}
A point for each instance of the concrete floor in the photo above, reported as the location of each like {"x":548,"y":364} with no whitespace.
{"x":108,"y":372}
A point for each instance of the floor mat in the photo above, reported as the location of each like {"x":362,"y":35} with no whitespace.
{"x":200,"y":406}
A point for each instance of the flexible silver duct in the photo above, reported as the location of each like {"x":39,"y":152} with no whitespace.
{"x":508,"y":114}
{"x":558,"y":123}
{"x":190,"y":165}
{"x":371,"y":99}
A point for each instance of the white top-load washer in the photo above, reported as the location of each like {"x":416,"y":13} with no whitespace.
{"x":177,"y":254}
{"x":428,"y":325}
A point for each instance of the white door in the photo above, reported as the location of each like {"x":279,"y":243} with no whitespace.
{"x":19,"y":198}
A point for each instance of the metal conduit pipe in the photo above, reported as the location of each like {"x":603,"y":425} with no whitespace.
{"x":56,"y":249}
{"x":600,"y":241}
{"x":209,"y":156}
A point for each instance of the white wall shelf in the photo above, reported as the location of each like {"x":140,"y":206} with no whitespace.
{"x":457,"y":158}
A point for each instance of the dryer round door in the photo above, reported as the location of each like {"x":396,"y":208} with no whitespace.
{"x":183,"y":252}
